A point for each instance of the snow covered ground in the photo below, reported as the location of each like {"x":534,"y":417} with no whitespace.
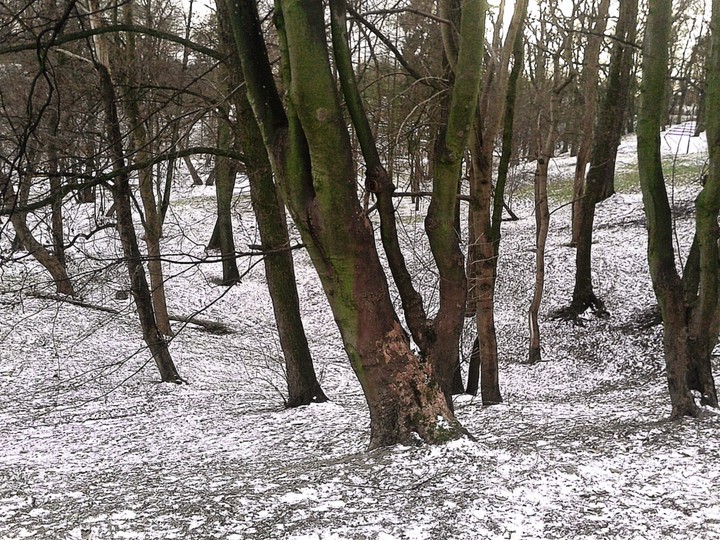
{"x":91,"y":446}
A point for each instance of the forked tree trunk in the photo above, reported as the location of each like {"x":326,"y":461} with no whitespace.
{"x":438,"y":340}
{"x":661,"y":254}
{"x":312,"y":157}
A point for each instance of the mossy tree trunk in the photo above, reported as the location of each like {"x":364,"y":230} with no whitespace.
{"x":302,"y":383}
{"x":689,"y":329}
{"x":312,"y":157}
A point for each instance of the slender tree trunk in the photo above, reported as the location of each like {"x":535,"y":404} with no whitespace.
{"x":224,"y":186}
{"x":704,"y":319}
{"x":600,"y":177}
{"x":123,"y":210}
{"x":542,"y":223}
{"x":302,"y":383}
{"x":590,"y":75}
{"x":497,"y":100}
{"x":18,"y":218}
{"x":141,"y":140}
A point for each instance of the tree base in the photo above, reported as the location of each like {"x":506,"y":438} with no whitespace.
{"x":579,"y":306}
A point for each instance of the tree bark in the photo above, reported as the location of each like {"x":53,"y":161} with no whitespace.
{"x":590,"y":76}
{"x":496,"y":101}
{"x":141,"y":143}
{"x":302,"y":383}
{"x":661,"y":255}
{"x":18,"y":218}
{"x":123,"y":210}
{"x":224,"y":185}
{"x":601,"y":174}
{"x":312,"y":157}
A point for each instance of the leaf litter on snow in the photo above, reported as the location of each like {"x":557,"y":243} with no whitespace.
{"x":91,"y":446}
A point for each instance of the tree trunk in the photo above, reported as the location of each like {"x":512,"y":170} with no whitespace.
{"x":302,"y":383}
{"x":312,"y":157}
{"x":590,"y":75}
{"x":438,"y":340}
{"x":485,"y":214}
{"x":224,"y":186}
{"x":542,"y":222}
{"x":18,"y":218}
{"x":661,"y":255}
{"x":141,"y":141}
{"x":123,"y":209}
{"x":704,"y":319}
{"x":600,"y":177}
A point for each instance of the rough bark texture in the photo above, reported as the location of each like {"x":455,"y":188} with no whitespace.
{"x":661,"y":255}
{"x":312,"y":158}
{"x":438,"y":340}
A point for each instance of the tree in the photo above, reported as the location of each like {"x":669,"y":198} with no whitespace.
{"x":302,"y":383}
{"x":486,"y":208}
{"x":590,"y":77}
{"x":599,"y":183}
{"x":312,"y":157}
{"x":690,"y":329}
{"x":139,"y":288}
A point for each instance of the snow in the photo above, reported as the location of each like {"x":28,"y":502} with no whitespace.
{"x":91,"y":446}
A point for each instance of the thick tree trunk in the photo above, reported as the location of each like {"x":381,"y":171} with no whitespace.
{"x":312,"y":158}
{"x":438,"y":340}
{"x":661,"y":255}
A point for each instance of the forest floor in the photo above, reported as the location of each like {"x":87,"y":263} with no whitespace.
{"x":93,"y":447}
